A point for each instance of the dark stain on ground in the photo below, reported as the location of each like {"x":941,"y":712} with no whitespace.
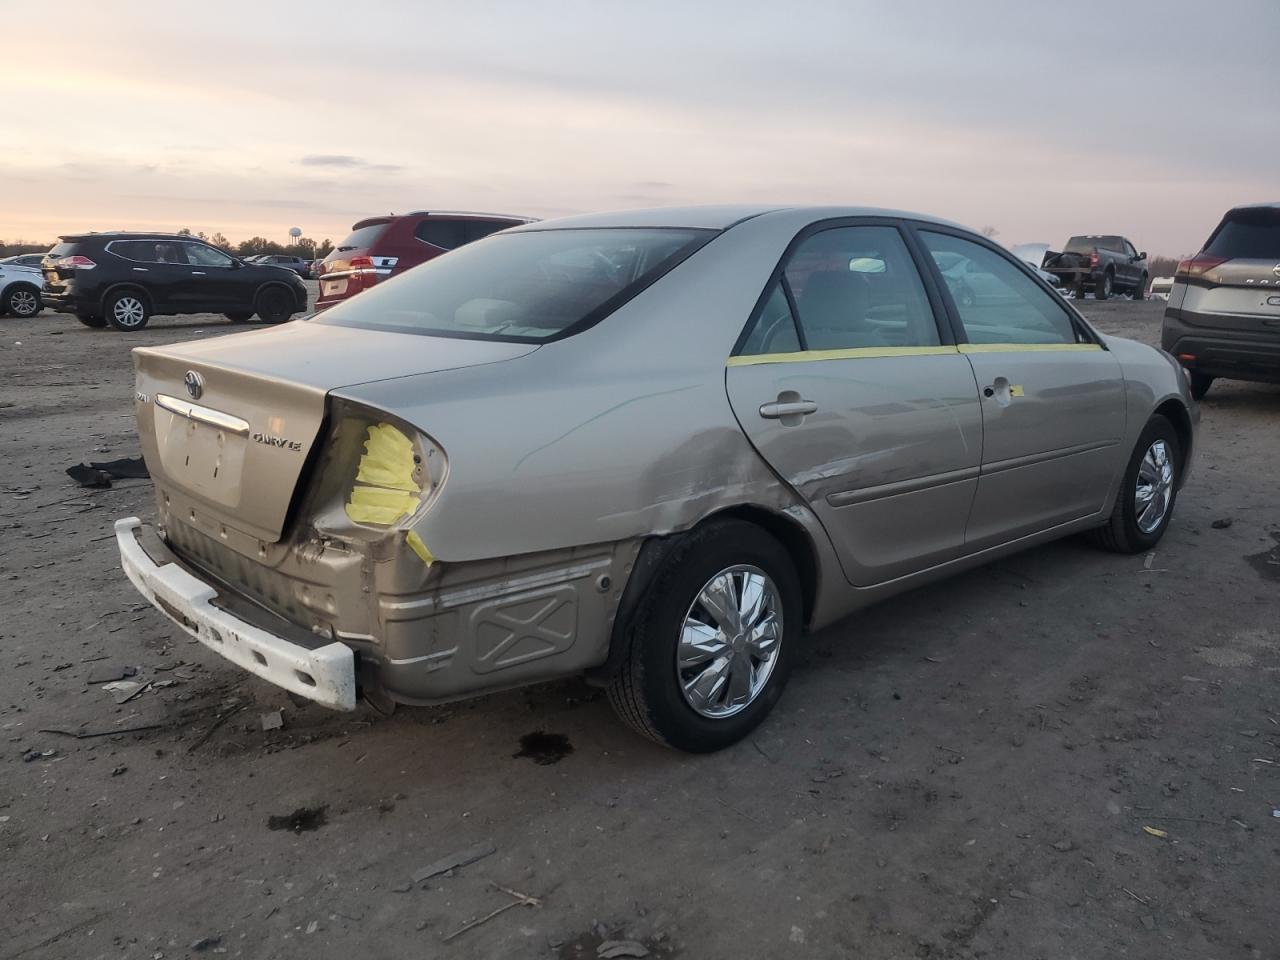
{"x":1267,"y":563}
{"x":544,"y":748}
{"x":300,"y":821}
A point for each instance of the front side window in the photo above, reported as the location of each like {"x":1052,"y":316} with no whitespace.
{"x":204,"y":256}
{"x":997,"y":302}
{"x":531,"y":286}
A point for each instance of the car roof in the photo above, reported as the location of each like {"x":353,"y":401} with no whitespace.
{"x":127,"y":235}
{"x":715,"y":216}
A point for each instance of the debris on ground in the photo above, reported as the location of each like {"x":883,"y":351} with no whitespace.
{"x":122,"y":691}
{"x":30,"y":755}
{"x":205,"y":943}
{"x":462,"y":858}
{"x":126,"y":468}
{"x":109,"y":674}
{"x":302,"y":820}
{"x":1221,"y":524}
{"x":274,"y":720}
{"x":88,"y":477}
{"x":1064,"y":846}
{"x":1156,"y":832}
{"x":519,"y":900}
{"x":621,"y":948}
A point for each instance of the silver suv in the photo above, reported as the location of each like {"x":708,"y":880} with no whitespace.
{"x":1223,"y":318}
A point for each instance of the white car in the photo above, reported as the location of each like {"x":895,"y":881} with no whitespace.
{"x":20,"y":290}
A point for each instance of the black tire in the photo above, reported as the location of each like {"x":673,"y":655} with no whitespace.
{"x":240,"y":316}
{"x":274,"y":304}
{"x":89,"y":320}
{"x":21,"y":301}
{"x":1079,"y":286}
{"x":646,"y":692}
{"x":1122,"y":532}
{"x":127,"y":310}
{"x":1102,"y":287}
{"x":1200,"y":384}
{"x":1140,"y":291}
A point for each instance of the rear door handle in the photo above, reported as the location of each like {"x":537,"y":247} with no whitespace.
{"x":791,"y":408}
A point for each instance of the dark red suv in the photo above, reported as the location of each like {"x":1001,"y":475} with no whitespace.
{"x":380,"y":247}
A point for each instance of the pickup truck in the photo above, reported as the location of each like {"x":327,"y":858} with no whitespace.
{"x":1103,"y":264}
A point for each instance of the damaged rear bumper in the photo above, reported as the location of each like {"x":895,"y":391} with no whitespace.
{"x":324,"y":672}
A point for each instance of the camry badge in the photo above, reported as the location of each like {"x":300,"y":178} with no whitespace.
{"x":195,"y":384}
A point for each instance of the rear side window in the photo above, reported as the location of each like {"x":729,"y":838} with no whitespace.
{"x":361,"y":239}
{"x":1247,"y":235}
{"x":997,"y":302}
{"x":527,"y":287}
{"x":150,"y":251}
{"x":445,"y":234}
{"x":479,"y":229}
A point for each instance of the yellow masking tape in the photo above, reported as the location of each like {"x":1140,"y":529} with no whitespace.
{"x":417,"y":546}
{"x":387,"y":464}
{"x":1015,"y":390}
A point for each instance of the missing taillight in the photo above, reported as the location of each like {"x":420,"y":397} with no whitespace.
{"x":390,"y":478}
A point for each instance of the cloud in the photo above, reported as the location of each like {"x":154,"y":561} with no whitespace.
{"x":347,"y":162}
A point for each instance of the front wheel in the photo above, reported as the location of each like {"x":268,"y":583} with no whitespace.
{"x":1140,"y":291}
{"x":274,"y":305}
{"x":1148,"y":491}
{"x":127,"y":311}
{"x":710,"y":646}
{"x":22,"y":302}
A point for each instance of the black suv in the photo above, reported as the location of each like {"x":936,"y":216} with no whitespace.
{"x":122,"y":279}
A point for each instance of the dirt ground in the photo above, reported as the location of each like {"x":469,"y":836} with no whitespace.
{"x":1065,"y":754}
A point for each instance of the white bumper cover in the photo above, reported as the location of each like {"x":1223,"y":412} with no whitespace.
{"x":325,"y":675}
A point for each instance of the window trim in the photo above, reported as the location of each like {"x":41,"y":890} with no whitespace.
{"x":941,"y":322}
{"x":1081,"y":326}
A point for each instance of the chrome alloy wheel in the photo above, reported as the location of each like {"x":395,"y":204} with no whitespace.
{"x":1154,"y":489}
{"x":729,"y":642}
{"x":23,"y":303}
{"x":128,"y":311}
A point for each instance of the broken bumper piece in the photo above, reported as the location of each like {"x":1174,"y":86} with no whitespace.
{"x":325,"y":674}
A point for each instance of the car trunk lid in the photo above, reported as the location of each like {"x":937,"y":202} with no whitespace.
{"x":231,"y":422}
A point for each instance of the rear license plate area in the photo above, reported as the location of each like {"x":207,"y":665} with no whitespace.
{"x":333,"y":288}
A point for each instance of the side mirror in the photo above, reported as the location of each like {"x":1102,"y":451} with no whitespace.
{"x":236,"y":264}
{"x":1142,"y":255}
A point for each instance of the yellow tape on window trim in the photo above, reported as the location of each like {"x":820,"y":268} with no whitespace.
{"x":870,"y":353}
{"x":1027,"y":347}
{"x":853,"y":353}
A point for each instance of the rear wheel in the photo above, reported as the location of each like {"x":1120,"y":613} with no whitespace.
{"x":274,"y":305}
{"x":127,"y":311}
{"x":91,"y":320}
{"x":21,"y":301}
{"x":1102,"y":288}
{"x":1200,"y":384}
{"x":710,"y":647}
{"x":240,"y":316}
{"x":1148,"y":491}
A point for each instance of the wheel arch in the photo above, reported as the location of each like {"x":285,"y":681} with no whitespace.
{"x":266,"y":285}
{"x":1175,"y":411}
{"x":123,"y":285}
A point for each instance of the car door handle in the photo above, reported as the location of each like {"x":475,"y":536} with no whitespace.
{"x":790,"y":408}
{"x":197,"y":273}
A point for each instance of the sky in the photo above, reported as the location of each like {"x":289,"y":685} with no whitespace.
{"x":1040,"y":120}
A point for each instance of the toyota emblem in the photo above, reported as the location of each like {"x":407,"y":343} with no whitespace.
{"x":195,"y":384}
{"x":1276,"y":269}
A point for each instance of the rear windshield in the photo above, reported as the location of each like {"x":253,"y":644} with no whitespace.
{"x":1247,"y":235}
{"x":361,"y":239}
{"x":1090,"y":244}
{"x":63,"y":249}
{"x":528,"y":287}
